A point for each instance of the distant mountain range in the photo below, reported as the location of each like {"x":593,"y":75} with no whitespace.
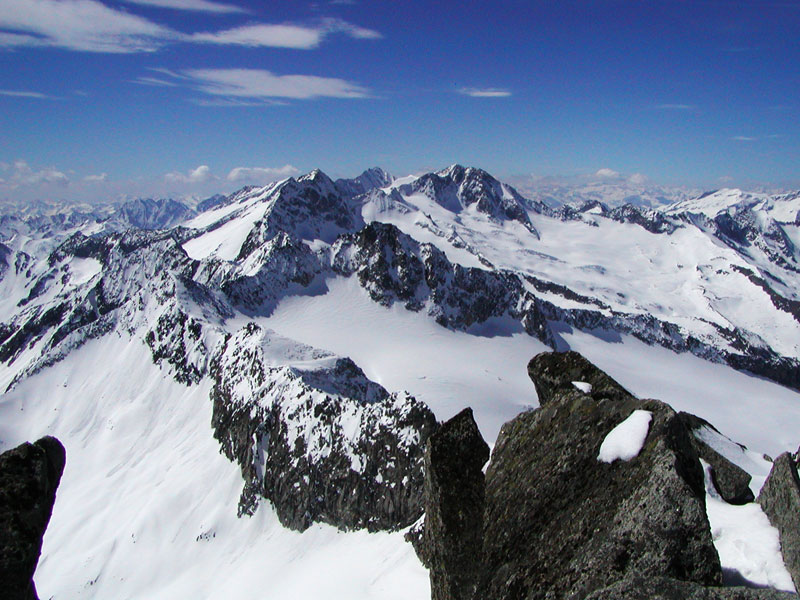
{"x":314,"y":330}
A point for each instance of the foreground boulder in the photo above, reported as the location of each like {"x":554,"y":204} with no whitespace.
{"x":596,"y":494}
{"x":454,"y":500}
{"x":562,"y":524}
{"x":731,"y":481}
{"x":780,"y":500}
{"x":29,"y":476}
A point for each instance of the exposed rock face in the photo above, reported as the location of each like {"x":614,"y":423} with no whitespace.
{"x":317,"y":438}
{"x":731,"y":481}
{"x":29,"y":476}
{"x":780,"y":500}
{"x":561,"y":524}
{"x":664,"y":588}
{"x":557,"y":522}
{"x":454,"y":502}
{"x":555,"y":374}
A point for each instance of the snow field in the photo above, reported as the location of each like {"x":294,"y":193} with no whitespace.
{"x":147,"y":504}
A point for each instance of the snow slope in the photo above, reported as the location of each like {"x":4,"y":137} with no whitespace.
{"x":146,"y":506}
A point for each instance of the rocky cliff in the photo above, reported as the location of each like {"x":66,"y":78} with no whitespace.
{"x":594,"y":494}
{"x":29,"y":476}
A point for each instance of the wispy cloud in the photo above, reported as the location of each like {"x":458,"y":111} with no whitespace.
{"x":25,"y":94}
{"x":261,"y":174}
{"x":201,"y":174}
{"x":101,"y":178}
{"x":607,"y":173}
{"x":674,"y":107}
{"x":485,"y":92}
{"x":84,"y":25}
{"x":261,"y":84}
{"x":22,"y":174}
{"x":91,"y":26}
{"x":154,"y":81}
{"x":192,"y":5}
{"x":638,"y":179}
{"x":743,"y":138}
{"x":298,"y":37}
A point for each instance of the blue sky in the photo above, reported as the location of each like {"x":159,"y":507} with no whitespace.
{"x":154,"y":97}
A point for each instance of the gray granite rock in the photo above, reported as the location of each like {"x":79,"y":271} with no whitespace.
{"x":780,"y":500}
{"x":454,"y":504}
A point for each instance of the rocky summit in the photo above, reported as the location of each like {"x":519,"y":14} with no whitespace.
{"x":559,"y":515}
{"x":29,"y":476}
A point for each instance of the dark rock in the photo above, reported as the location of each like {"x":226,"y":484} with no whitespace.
{"x":454,"y":503}
{"x":560,"y":524}
{"x":29,"y":476}
{"x":731,"y":481}
{"x":664,"y":588}
{"x":553,"y":375}
{"x":780,"y":500}
{"x":323,"y":443}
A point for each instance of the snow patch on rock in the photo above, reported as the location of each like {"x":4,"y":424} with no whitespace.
{"x":625,"y":441}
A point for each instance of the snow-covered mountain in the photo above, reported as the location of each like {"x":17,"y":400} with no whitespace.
{"x":280,"y":355}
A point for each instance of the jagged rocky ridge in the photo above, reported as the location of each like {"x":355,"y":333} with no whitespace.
{"x":301,"y":233}
{"x":317,"y":437}
{"x":551,"y":520}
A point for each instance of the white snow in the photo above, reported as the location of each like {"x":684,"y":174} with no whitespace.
{"x":403,"y":350}
{"x":754,"y":463}
{"x":625,"y":441}
{"x":586,"y":388}
{"x":748,"y":546}
{"x":147,"y":504}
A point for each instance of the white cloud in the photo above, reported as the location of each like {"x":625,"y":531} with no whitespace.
{"x":485,"y":92}
{"x":277,"y":36}
{"x":154,"y":81}
{"x":195,"y":5}
{"x":674,"y":107}
{"x":101,"y":178}
{"x":21,"y":174}
{"x":743,"y":138}
{"x":201,"y":174}
{"x":331,"y":25}
{"x":91,"y":26}
{"x":257,"y":83}
{"x":298,"y":37}
{"x":24,"y":94}
{"x":261,"y":174}
{"x":84,"y":25}
{"x":638,"y":179}
{"x":607,"y":173}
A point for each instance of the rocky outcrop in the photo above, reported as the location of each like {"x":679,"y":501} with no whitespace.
{"x":563,"y":519}
{"x":454,"y":503}
{"x":780,"y":500}
{"x":560,"y":523}
{"x":315,"y":437}
{"x":664,"y":588}
{"x":556,"y":375}
{"x":29,"y":476}
{"x":731,"y":481}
